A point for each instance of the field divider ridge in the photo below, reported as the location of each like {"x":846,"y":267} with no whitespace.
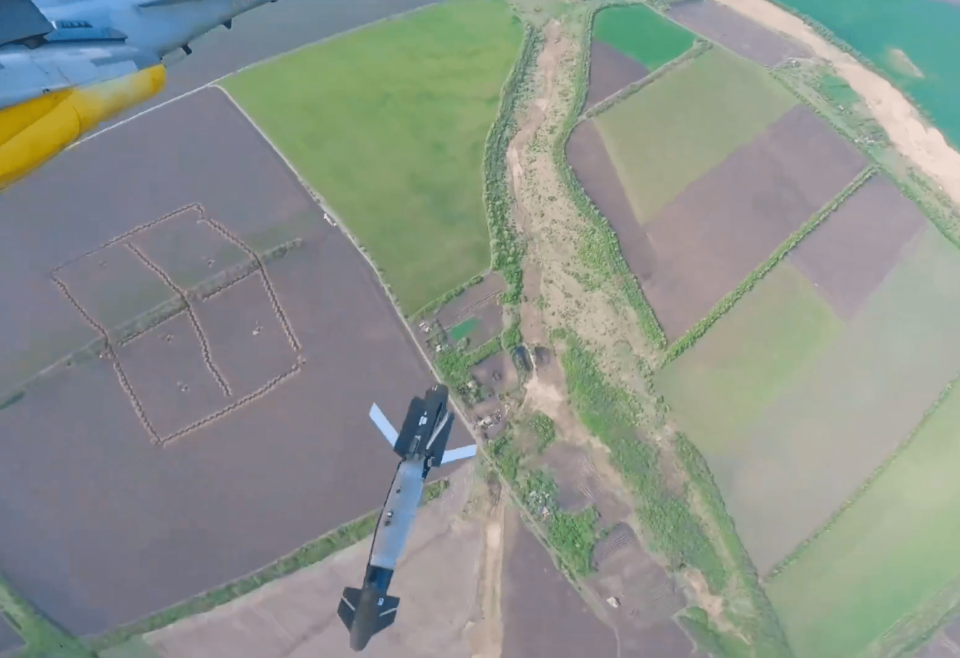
{"x":599,"y":243}
{"x":257,"y":394}
{"x":694,"y":334}
{"x":866,"y":484}
{"x":265,"y":278}
{"x":699,"y":47}
{"x":112,"y":355}
{"x":201,"y":336}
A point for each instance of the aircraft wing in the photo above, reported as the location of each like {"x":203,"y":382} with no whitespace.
{"x":388,"y":431}
{"x":458,"y":453}
{"x":20,"y":19}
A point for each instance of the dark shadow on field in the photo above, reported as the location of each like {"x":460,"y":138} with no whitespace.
{"x":543,"y":615}
{"x":852,"y":252}
{"x":267,"y":31}
{"x":100,"y":527}
{"x":610,"y":71}
{"x":736,"y":32}
{"x":729,"y":221}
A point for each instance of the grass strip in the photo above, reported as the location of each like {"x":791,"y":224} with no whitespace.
{"x":687,"y":341}
{"x":600,"y":248}
{"x":309,"y":554}
{"x":42,"y":636}
{"x":699,"y":47}
{"x":763,"y":628}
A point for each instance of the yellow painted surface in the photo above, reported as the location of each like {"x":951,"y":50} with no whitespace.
{"x":33,"y":132}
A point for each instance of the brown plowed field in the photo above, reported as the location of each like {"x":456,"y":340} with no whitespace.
{"x":590,"y":162}
{"x":100,"y":527}
{"x":733,"y":218}
{"x":735,"y":31}
{"x":543,"y":615}
{"x":853,"y":251}
{"x":610,"y":71}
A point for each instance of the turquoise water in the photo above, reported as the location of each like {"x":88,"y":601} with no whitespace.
{"x":927,"y":31}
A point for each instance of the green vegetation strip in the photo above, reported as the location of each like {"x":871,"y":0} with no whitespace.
{"x":42,"y":635}
{"x":454,"y":365}
{"x":686,"y":341}
{"x":599,"y":247}
{"x":506,"y":250}
{"x":313,"y":552}
{"x":571,"y":537}
{"x":698,"y":49}
{"x":642,"y":34}
{"x":763,"y":628}
{"x":610,"y":414}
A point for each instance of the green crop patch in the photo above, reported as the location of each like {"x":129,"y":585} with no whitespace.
{"x":641,"y":33}
{"x":463,"y":330}
{"x":675,"y":130}
{"x":389,"y":124}
{"x":894,"y":548}
{"x":731,"y":374}
{"x":848,"y":411}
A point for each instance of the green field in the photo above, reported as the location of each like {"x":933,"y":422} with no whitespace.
{"x":464,"y":329}
{"x":845,"y":413}
{"x":885,"y":555}
{"x":640,"y":32}
{"x":388,"y":124}
{"x":684,"y":124}
{"x":724,"y":382}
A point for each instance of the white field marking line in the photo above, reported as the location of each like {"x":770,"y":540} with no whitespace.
{"x":272,"y":58}
{"x":326,"y":208}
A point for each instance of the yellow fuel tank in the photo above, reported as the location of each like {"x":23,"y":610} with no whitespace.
{"x":33,"y":132}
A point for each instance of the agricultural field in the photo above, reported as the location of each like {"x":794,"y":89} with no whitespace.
{"x":388,"y":124}
{"x":239,"y":406}
{"x":886,"y":555}
{"x":715,"y":123}
{"x":628,"y":44}
{"x":735,"y":31}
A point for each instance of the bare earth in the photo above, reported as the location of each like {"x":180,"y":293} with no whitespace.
{"x":849,"y":255}
{"x":924,"y":145}
{"x":732,"y":30}
{"x":543,"y":615}
{"x":610,"y":71}
{"x":733,"y":218}
{"x":295,"y":617}
{"x":9,"y":640}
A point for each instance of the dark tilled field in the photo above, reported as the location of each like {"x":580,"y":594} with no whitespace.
{"x":9,"y":640}
{"x":851,"y":253}
{"x":267,"y":31}
{"x":648,"y":598}
{"x":733,"y":218}
{"x":736,"y":32}
{"x":101,"y":527}
{"x":610,"y":71}
{"x":543,"y":615}
{"x":590,"y":162}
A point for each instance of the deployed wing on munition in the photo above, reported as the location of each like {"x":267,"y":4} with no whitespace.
{"x":421,"y":444}
{"x":66,"y":67}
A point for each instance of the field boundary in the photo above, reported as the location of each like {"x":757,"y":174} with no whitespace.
{"x":690,"y":338}
{"x":797,"y":553}
{"x":600,"y":243}
{"x":701,"y":479}
{"x":913,"y":178}
{"x":699,"y":47}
